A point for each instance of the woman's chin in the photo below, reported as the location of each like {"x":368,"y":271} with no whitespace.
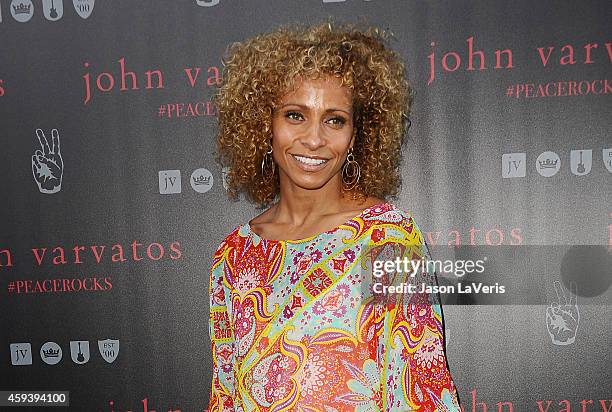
{"x":309,"y":182}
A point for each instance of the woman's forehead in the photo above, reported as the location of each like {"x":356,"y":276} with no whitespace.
{"x":327,"y":85}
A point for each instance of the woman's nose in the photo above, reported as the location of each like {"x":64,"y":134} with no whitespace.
{"x":313,"y":136}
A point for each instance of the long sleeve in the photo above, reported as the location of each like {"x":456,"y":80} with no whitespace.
{"x":411,"y":352}
{"x":221,"y":334}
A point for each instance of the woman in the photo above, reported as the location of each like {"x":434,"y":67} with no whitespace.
{"x":311,"y":122}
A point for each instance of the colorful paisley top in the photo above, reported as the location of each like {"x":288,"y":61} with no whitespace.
{"x":298,"y":326}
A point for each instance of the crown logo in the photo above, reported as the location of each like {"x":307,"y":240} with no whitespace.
{"x":201,"y":180}
{"x":548,"y":164}
{"x":22,"y":9}
{"x":50,"y":353}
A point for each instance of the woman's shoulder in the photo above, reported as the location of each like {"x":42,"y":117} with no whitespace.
{"x":389,"y":213}
{"x":390,"y":222}
{"x":230,"y":240}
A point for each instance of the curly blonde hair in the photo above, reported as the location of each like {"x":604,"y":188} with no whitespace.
{"x":260,"y":70}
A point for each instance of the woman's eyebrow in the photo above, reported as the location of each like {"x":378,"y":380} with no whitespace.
{"x":304,"y":107}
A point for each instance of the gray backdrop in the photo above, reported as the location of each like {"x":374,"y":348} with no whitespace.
{"x":469,"y":129}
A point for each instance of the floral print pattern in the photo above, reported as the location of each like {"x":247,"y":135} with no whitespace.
{"x":295,"y":325}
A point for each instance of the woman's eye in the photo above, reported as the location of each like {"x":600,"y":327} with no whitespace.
{"x":340,"y":121}
{"x":292,"y":114}
{"x":337,"y":121}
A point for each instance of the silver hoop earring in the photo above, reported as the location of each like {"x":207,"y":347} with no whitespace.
{"x":268,"y":167}
{"x":351,"y":171}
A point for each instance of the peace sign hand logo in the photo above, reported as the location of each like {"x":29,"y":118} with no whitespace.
{"x":47,"y":165}
{"x":562,"y":318}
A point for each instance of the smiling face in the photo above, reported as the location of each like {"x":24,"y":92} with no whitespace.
{"x":313,"y":130}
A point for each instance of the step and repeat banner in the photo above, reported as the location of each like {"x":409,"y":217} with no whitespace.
{"x":112,"y":203}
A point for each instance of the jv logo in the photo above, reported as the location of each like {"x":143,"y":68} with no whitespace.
{"x":21,"y":353}
{"x":169,"y":182}
{"x":581,"y":161}
{"x":514,"y":165}
{"x":47,"y":165}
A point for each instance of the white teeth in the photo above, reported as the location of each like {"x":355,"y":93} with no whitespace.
{"x":310,"y":161}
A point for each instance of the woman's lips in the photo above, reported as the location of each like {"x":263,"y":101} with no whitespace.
{"x":311,"y":166}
